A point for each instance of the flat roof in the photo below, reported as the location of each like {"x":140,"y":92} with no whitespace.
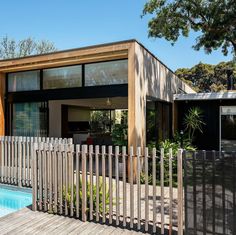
{"x":206,"y":96}
{"x":85,"y":48}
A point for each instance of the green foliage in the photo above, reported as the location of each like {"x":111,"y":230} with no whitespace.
{"x":206,"y":77}
{"x":214,"y":20}
{"x":100,"y":121}
{"x":10,"y":48}
{"x":120,"y":131}
{"x":193,"y":122}
{"x":95,"y":189}
{"x":168,"y":144}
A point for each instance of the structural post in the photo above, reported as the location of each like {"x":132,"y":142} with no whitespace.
{"x":136,"y":107}
{"x":2,"y":108}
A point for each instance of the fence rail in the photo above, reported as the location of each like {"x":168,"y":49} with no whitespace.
{"x":16,"y":158}
{"x":107,"y":184}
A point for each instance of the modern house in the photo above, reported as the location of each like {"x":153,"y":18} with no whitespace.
{"x":58,"y":94}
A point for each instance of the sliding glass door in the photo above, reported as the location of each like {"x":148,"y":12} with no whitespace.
{"x":228,"y":128}
{"x":29,"y":119}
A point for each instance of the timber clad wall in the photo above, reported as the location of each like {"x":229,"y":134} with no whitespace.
{"x":158,"y":81}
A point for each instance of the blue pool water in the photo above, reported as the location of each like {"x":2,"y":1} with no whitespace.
{"x":12,"y":200}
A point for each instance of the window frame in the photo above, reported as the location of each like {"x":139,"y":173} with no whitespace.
{"x":31,"y":70}
{"x":83,"y":76}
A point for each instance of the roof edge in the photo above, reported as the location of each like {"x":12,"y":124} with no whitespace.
{"x":71,"y":50}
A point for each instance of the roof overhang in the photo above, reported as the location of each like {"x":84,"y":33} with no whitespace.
{"x":103,"y":52}
{"x":206,"y":96}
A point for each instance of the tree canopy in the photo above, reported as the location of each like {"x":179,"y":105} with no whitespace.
{"x":214,"y":20}
{"x":207,"y":77}
{"x":10,"y":48}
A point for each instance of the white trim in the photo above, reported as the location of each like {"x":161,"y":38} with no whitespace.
{"x":206,"y":96}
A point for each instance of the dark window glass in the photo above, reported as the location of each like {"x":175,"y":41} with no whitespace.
{"x":24,"y":81}
{"x":64,"y":77}
{"x":106,"y":73}
{"x":29,"y":119}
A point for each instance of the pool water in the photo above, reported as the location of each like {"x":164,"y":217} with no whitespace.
{"x":12,"y":200}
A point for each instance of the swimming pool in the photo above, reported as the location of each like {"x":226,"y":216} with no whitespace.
{"x":13,"y":199}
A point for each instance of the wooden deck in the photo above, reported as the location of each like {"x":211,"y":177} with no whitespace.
{"x":26,"y":221}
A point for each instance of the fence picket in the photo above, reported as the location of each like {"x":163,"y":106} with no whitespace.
{"x":131,"y":153}
{"x":110,"y":184}
{"x":77,"y":179}
{"x":91,"y":182}
{"x":180,"y":192}
{"x":146,"y":189}
{"x":84,"y":183}
{"x":138,"y":188}
{"x":71,"y":179}
{"x":103,"y":184}
{"x":60,"y":177}
{"x":9,"y":161}
{"x":162,"y":192}
{"x":45,"y":174}
{"x":170,"y":192}
{"x":154,"y":189}
{"x":117,"y":152}
{"x":124,"y":185}
{"x":55,"y":177}
{"x":40,"y":174}
{"x":97,"y":181}
{"x":50,"y":174}
{"x":65,"y":172}
{"x":35,"y":178}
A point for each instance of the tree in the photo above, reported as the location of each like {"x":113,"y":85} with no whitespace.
{"x":206,"y":77}
{"x":215,"y":20}
{"x":10,"y":48}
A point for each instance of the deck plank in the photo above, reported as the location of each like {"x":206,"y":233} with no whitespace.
{"x":27,"y":221}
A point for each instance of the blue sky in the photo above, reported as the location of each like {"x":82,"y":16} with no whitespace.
{"x":77,"y":23}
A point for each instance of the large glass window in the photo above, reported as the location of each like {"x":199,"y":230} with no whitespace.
{"x":106,"y":73}
{"x":29,"y":119}
{"x":64,"y":77}
{"x":24,"y":81}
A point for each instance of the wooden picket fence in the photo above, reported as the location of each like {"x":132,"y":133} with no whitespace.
{"x":104,"y":184}
{"x":16,"y":158}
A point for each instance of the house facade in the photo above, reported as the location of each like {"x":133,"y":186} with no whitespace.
{"x":82,"y":93}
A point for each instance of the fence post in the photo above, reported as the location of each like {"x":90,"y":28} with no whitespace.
{"x":84,"y":183}
{"x":180,"y":191}
{"x":35,"y":178}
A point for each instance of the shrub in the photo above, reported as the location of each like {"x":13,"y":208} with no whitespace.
{"x":67,"y":196}
{"x":168,"y":144}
